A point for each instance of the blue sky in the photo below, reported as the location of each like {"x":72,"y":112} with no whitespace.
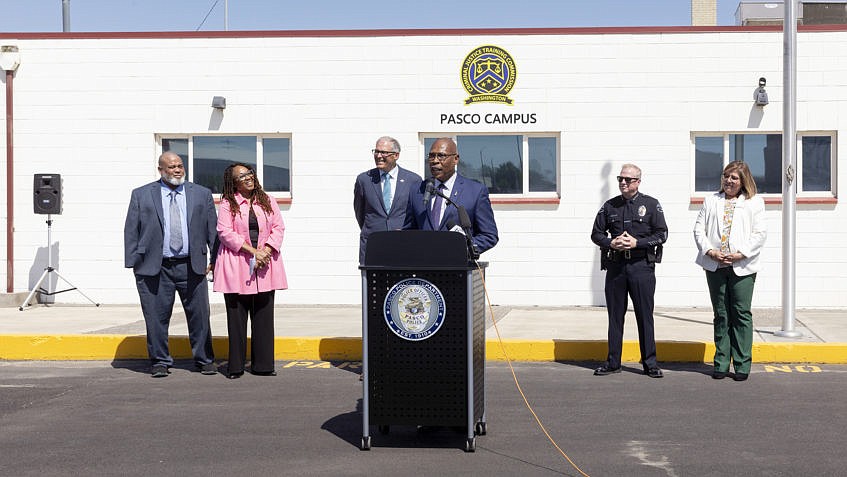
{"x":188,"y":15}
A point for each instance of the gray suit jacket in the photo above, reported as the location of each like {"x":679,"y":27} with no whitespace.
{"x":367,"y":203}
{"x":144,"y":228}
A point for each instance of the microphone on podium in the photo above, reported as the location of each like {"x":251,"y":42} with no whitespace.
{"x":429,"y":189}
{"x":464,"y":226}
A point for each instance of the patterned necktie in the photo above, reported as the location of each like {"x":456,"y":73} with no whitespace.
{"x":176,"y":225}
{"x":386,"y":191}
{"x":435,"y":218}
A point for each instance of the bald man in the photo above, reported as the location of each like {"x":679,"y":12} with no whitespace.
{"x":169,"y":236}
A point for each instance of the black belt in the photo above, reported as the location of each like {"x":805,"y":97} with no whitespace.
{"x":632,"y":254}
{"x":175,"y":259}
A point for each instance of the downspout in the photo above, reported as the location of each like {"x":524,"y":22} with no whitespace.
{"x":10,"y":185}
{"x":10,"y":59}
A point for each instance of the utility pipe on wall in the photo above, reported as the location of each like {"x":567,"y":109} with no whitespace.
{"x":10,"y":185}
{"x":10,"y":59}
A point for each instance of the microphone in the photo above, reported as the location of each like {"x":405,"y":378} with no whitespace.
{"x":464,"y":219}
{"x":464,"y":227}
{"x":430,"y":188}
{"x":465,"y":222}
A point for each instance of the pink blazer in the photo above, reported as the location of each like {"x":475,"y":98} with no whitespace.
{"x":232,"y":268}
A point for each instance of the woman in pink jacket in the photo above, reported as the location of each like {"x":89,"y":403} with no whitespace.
{"x":249,"y":268}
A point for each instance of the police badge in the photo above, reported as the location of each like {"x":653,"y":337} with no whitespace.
{"x":642,"y":211}
{"x":414,"y":309}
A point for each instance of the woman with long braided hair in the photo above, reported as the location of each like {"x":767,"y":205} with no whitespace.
{"x":249,"y":268}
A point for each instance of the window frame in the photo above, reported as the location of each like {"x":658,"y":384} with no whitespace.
{"x":525,"y":196}
{"x":280,"y":196}
{"x":798,"y":179}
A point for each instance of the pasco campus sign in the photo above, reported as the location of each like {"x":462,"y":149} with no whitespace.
{"x":488,"y":74}
{"x":489,"y":118}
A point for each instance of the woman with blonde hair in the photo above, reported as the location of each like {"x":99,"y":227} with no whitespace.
{"x":730,"y":233}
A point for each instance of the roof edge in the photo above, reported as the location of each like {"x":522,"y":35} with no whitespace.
{"x":640,"y":30}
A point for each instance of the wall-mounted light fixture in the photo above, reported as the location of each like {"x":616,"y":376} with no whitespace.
{"x":761,"y":95}
{"x":219,"y":102}
{"x":10,"y":58}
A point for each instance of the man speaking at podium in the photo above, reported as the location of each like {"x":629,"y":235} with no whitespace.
{"x":428,"y":209}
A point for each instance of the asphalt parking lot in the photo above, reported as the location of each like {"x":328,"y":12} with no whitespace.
{"x":102,"y":418}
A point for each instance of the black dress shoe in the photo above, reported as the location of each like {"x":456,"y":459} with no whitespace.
{"x":234,"y":375}
{"x":718,"y":374}
{"x":263,"y":373}
{"x":605,"y":371}
{"x":740,"y":377}
{"x":159,"y":371}
{"x":654,"y":372}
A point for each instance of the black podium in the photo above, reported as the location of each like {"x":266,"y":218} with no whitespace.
{"x":423,"y":334}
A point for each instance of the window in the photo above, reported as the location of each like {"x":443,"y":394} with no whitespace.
{"x":763,"y":154}
{"x":206,"y":158}
{"x":498,"y":161}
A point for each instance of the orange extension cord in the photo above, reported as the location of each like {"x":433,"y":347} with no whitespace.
{"x":515,"y":377}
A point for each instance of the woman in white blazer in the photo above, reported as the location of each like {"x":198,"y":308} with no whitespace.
{"x":730,"y":233}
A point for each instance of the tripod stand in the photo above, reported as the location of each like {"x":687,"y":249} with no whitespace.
{"x":48,"y":271}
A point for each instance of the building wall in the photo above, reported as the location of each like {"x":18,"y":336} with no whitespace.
{"x":89,"y":109}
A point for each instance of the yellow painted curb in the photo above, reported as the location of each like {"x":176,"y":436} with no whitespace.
{"x":107,"y":347}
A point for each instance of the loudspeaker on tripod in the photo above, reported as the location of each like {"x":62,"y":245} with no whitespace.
{"x":47,"y":194}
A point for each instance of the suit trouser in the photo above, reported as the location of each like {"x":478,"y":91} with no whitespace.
{"x":732,"y":298}
{"x":157,"y":294}
{"x":635,"y":278}
{"x":260,"y":309}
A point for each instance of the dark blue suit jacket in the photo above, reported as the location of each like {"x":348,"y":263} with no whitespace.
{"x":370,"y":211}
{"x":144,"y":228}
{"x":466,"y":192}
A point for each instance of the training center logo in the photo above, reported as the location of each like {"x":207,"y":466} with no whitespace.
{"x":414,"y":309}
{"x":488,"y":74}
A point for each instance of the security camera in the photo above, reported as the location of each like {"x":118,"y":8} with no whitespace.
{"x":219,"y":102}
{"x":761,"y":96}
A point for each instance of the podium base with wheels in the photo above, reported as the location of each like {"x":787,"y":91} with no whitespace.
{"x":46,"y":275}
{"x":423,"y":335}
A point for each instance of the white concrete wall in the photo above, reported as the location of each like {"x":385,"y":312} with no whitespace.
{"x":89,"y":109}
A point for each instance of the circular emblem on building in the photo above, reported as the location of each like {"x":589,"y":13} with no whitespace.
{"x":414,"y":309}
{"x":488,"y":74}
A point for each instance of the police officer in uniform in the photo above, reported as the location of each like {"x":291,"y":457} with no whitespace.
{"x":630,"y":230}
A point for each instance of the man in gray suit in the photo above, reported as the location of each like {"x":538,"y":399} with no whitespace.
{"x":381,"y":194}
{"x":170,"y":230}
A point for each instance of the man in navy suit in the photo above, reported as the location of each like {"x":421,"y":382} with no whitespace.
{"x":436,"y":214}
{"x":170,"y":230}
{"x":380,"y":194}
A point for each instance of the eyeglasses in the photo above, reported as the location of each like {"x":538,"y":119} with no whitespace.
{"x":377,"y":152}
{"x":245,"y":177}
{"x":439,"y":156}
{"x":629,"y":180}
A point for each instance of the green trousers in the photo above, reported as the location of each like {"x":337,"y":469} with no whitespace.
{"x":731,"y":301}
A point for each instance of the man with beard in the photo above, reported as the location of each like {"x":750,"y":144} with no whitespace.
{"x":380,"y":194}
{"x":437,"y":214}
{"x":169,"y":234}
